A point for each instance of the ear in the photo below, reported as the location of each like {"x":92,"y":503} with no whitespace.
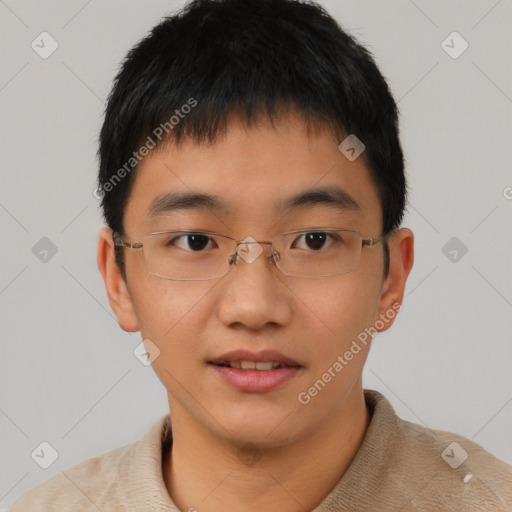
{"x":117,"y":290}
{"x":401,"y":259}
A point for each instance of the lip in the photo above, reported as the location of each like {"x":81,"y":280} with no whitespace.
{"x":247,"y":355}
{"x":255,"y":381}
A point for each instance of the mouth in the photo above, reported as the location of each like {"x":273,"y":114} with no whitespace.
{"x":255,"y":372}
{"x":254,"y":365}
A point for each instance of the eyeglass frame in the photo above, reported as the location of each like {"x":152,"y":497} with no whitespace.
{"x":370,"y":242}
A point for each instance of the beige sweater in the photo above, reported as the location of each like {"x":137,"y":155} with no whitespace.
{"x":399,"y":467}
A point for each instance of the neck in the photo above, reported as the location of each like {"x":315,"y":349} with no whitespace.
{"x":206,"y":473}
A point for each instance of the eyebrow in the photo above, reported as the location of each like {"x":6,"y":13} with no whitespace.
{"x":331,"y":196}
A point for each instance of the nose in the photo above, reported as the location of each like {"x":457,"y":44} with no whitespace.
{"x":254,"y":294}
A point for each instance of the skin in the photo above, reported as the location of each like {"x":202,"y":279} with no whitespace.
{"x":257,"y":451}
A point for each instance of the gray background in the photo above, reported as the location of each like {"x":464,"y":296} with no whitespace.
{"x":68,"y":373}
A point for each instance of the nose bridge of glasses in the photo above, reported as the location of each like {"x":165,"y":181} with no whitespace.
{"x":250,"y":240}
{"x":250,"y":249}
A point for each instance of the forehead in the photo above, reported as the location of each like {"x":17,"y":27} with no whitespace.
{"x":255,"y":174}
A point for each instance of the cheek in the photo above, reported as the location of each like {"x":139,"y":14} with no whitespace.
{"x":337,"y":311}
{"x":337,"y":354}
{"x":172,"y":315}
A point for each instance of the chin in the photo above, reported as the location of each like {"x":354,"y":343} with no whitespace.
{"x":261,"y":429}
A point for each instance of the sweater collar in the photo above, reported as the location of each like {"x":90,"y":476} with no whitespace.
{"x":141,"y":479}
{"x":364,"y":475}
{"x":141,"y":483}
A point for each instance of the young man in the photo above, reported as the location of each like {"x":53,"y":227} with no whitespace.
{"x":252,"y":182}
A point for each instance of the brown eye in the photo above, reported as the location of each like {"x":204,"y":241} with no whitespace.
{"x":195,"y":242}
{"x":314,"y":240}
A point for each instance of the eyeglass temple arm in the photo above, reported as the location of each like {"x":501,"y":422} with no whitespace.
{"x":119,"y":242}
{"x":374,"y":240}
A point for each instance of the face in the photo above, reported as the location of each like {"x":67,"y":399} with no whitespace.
{"x":304,"y":322}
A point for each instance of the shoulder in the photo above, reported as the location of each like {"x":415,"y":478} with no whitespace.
{"x":412,"y":467}
{"x":129,"y":474}
{"x":80,"y":487}
{"x":455,"y":470}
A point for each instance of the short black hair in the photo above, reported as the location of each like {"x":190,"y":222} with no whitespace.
{"x":253,"y":58}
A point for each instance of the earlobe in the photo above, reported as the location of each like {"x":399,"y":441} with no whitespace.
{"x":117,"y":290}
{"x":401,"y":259}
